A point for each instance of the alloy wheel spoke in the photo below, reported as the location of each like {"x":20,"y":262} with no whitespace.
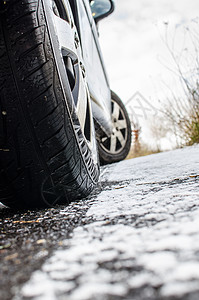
{"x":63,"y":30}
{"x":120,"y":138}
{"x":116,"y":111}
{"x":104,"y":139}
{"x":82,"y":103}
{"x":113,"y":143}
{"x":121,"y":124}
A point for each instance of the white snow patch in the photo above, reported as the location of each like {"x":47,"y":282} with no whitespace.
{"x":160,"y":262}
{"x":45,"y":288}
{"x":179,"y":288}
{"x":91,"y":289}
{"x":156,"y":167}
{"x":143,"y":279}
{"x":143,"y":234}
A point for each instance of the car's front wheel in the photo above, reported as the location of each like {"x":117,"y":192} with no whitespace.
{"x":116,"y":147}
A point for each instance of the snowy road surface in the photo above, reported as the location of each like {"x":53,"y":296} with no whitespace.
{"x":138,"y":240}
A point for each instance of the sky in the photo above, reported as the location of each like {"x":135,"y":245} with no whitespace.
{"x":132,"y":42}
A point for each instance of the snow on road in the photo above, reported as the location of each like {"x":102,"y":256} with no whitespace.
{"x":139,"y":239}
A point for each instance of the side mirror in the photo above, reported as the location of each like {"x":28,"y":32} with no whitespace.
{"x":101,"y":9}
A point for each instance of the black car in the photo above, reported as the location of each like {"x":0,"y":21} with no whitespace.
{"x":59,"y":118}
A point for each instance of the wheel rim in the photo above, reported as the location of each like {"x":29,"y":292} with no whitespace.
{"x":71,"y":56}
{"x":117,"y":141}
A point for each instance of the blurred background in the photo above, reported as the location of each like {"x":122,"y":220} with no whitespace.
{"x":151,"y":51}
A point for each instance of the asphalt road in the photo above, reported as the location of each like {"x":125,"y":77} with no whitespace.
{"x":135,"y":237}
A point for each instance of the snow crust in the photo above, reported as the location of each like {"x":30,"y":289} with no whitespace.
{"x":140,"y":235}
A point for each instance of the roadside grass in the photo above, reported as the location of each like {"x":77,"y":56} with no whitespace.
{"x":143,"y":150}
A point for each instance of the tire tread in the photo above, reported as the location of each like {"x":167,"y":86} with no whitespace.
{"x":37,"y":128}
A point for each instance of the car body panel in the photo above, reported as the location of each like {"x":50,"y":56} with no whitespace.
{"x":97,"y":80}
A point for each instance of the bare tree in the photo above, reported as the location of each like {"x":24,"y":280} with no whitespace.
{"x":182,"y":112}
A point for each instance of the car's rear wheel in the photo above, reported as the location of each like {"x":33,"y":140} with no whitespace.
{"x":116,"y":147}
{"x":48,"y":149}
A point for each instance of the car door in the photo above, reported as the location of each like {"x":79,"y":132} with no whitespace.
{"x":93,"y":62}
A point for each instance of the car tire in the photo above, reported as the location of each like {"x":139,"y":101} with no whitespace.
{"x":117,"y":146}
{"x":48,"y":152}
